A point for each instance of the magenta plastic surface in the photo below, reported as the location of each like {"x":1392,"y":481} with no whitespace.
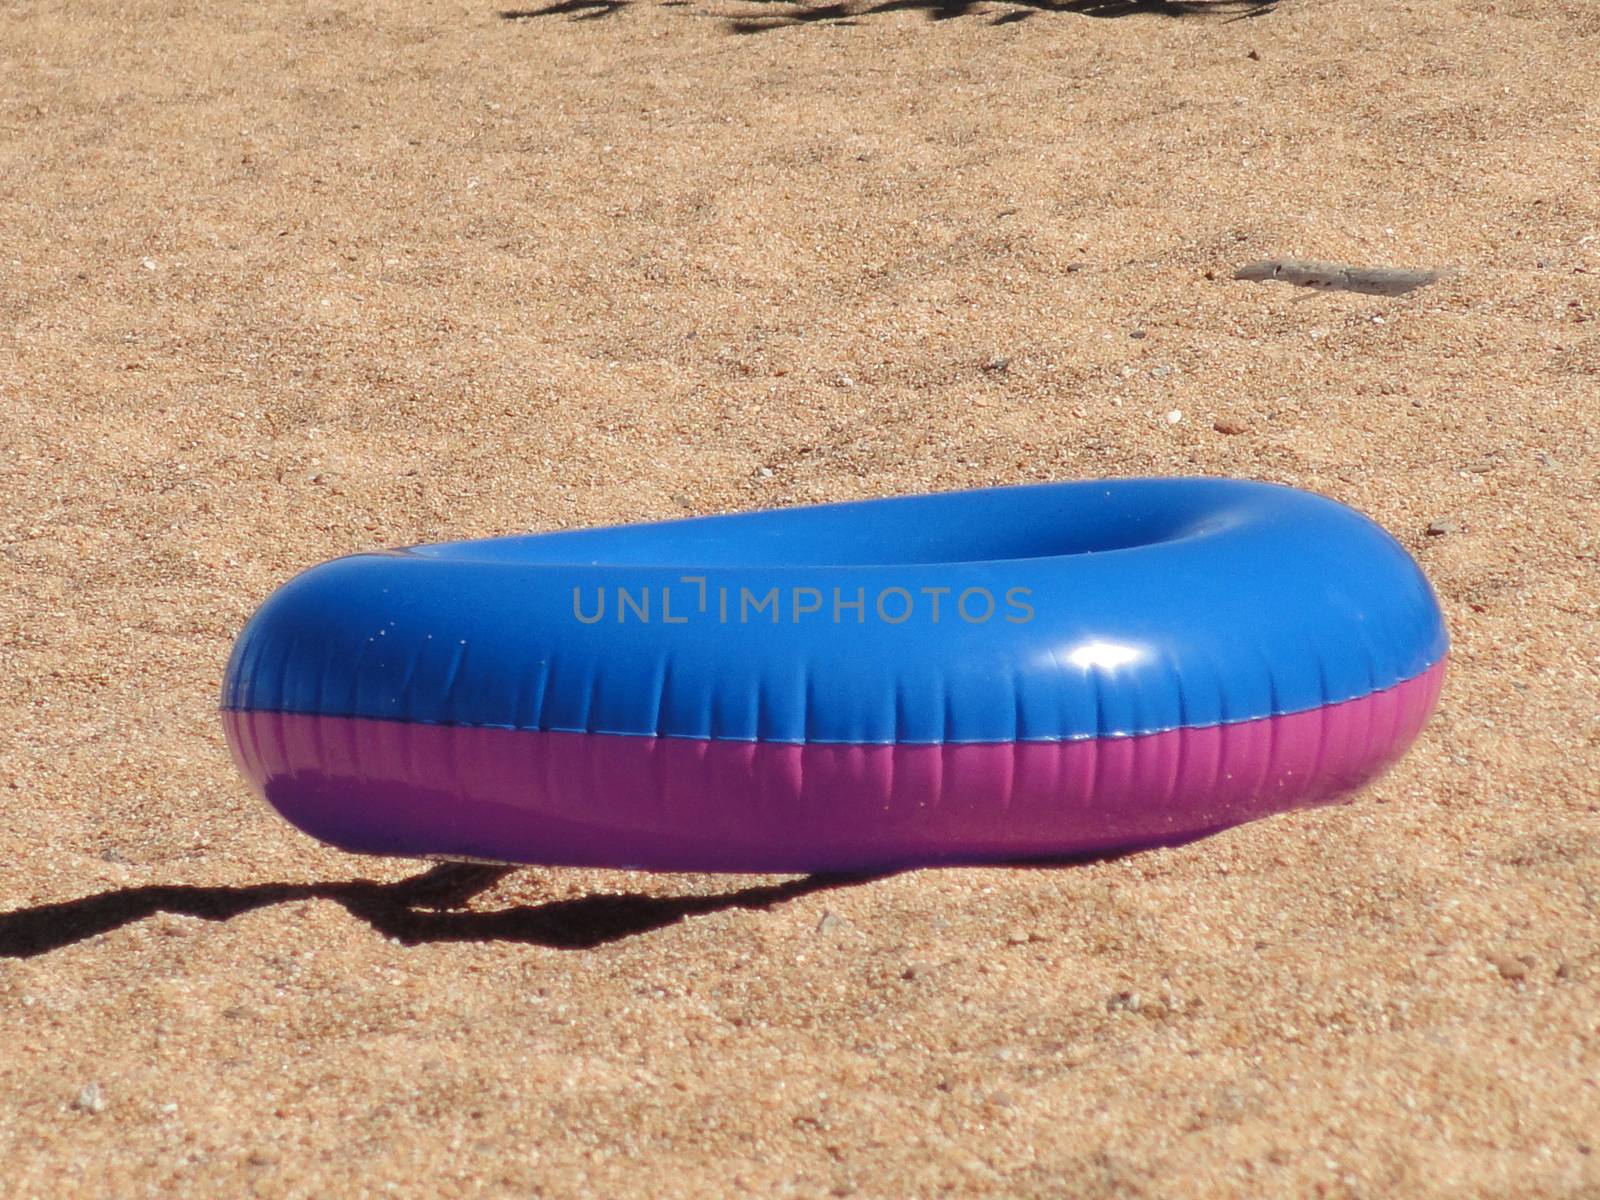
{"x":690,"y":804}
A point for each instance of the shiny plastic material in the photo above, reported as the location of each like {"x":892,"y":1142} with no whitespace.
{"x":1009,"y":673}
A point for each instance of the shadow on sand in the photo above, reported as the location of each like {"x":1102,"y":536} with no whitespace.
{"x":420,"y":909}
{"x":777,"y":14}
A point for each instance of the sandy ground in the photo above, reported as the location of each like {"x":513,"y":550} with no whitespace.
{"x":283,"y":281}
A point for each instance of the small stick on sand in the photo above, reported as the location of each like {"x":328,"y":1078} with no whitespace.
{"x":1372,"y":281}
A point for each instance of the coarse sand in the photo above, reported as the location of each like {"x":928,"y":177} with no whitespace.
{"x":283,"y":281}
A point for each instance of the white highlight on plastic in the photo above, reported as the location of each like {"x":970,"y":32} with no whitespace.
{"x":1104,"y":656}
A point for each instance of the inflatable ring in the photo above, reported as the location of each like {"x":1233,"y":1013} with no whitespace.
{"x":1008,"y":674}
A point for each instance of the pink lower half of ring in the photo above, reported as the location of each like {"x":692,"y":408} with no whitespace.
{"x":680,"y":804}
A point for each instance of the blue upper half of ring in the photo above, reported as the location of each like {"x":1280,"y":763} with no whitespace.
{"x":1044,"y":612}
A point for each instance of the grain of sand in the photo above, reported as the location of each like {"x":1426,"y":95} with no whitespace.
{"x":279,"y":282}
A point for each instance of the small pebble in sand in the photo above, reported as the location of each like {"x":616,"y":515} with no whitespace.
{"x":1174,"y":416}
{"x":1018,"y":936}
{"x":1136,"y":334}
{"x":149,"y":264}
{"x":998,"y":363}
{"x":1160,"y":372}
{"x":1124,"y":1002}
{"x":90,"y":1099}
{"x":1509,"y":966}
{"x":764,"y":472}
{"x":828,"y":923}
{"x":1441,"y":528}
{"x":1228,"y":426}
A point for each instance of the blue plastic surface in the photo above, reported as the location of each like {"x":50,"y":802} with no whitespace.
{"x":1114,"y":608}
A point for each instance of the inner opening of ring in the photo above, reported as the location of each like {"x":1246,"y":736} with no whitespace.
{"x":1001,"y":525}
